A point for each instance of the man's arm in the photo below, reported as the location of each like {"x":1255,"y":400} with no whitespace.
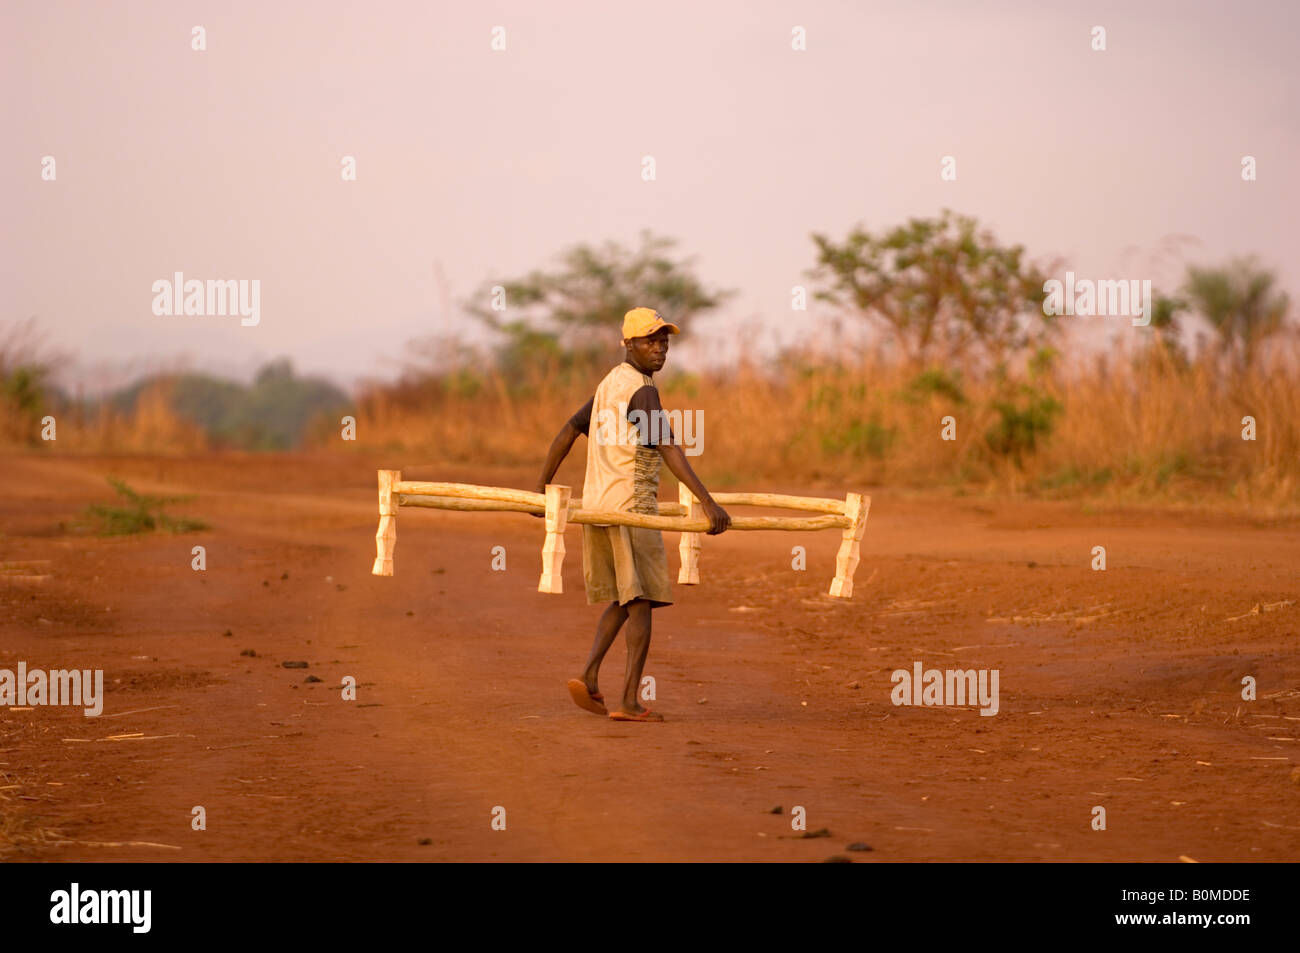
{"x":560,"y":448}
{"x":647,"y":400}
{"x":681,"y":467}
{"x":579,"y":423}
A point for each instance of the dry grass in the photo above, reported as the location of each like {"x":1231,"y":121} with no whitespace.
{"x":1130,"y":428}
{"x":1147,"y":429}
{"x":20,"y":831}
{"x":151,"y":427}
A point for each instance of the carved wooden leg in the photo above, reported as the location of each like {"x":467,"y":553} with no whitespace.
{"x":557,"y":519}
{"x":856,"y":507}
{"x":689,"y":547}
{"x":386,"y":537}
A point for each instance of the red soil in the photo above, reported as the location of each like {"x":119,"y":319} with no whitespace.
{"x":1119,"y":688}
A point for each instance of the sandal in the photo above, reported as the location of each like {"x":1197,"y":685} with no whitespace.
{"x":646,"y":715}
{"x":587,"y":701}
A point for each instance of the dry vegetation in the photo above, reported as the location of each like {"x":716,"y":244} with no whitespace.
{"x":1122,"y":428}
{"x":1125,"y":427}
{"x":152,"y":427}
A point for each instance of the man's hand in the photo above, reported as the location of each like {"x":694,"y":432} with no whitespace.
{"x":719,"y":521}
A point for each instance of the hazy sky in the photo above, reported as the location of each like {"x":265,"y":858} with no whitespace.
{"x":226,"y":163}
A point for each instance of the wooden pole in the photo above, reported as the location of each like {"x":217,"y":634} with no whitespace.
{"x":813,"y":503}
{"x":469,"y":491}
{"x":473,"y":506}
{"x":505,"y":506}
{"x":689,"y":547}
{"x":856,"y":507}
{"x":414,"y":493}
{"x":685,"y":524}
{"x":386,"y":537}
{"x":673,"y":517}
{"x":557,"y":519}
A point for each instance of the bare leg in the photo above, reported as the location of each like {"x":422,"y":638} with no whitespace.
{"x":638,"y":647}
{"x":611,"y":620}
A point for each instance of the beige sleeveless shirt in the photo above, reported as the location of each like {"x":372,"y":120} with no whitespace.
{"x":621,"y":475}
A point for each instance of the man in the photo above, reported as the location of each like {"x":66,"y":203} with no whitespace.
{"x":626,"y":565}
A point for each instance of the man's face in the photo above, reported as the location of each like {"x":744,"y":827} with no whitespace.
{"x":649,"y":352}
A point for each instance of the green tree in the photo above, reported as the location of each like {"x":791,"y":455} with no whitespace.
{"x":570,"y":313}
{"x":1242,"y":302}
{"x":942,"y":288}
{"x":273,"y":414}
{"x":25,"y":388}
{"x":1167,"y":345}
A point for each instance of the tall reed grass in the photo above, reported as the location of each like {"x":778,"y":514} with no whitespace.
{"x":151,"y":426}
{"x":1127,"y":426}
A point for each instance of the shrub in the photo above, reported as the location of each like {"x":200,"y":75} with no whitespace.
{"x":143,"y":514}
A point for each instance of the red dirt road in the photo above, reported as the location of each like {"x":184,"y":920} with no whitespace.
{"x":1119,"y":688}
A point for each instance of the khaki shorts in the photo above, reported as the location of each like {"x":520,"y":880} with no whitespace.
{"x":622,"y":563}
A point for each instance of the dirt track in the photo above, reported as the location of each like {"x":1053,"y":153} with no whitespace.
{"x":1115,"y":686}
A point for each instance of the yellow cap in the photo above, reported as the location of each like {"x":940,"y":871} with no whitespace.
{"x":642,"y":322}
